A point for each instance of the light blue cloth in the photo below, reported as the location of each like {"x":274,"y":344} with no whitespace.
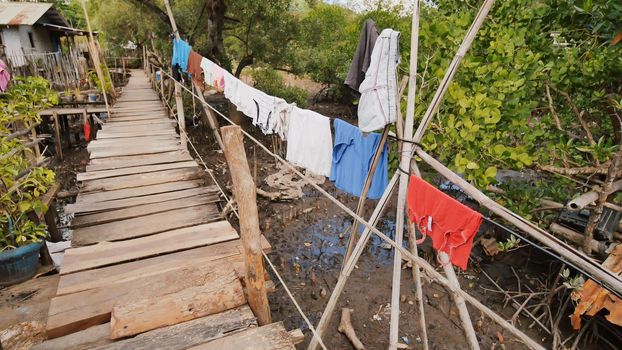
{"x":181,"y":51}
{"x":353,"y":154}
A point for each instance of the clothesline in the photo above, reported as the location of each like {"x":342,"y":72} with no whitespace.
{"x":363,"y":221}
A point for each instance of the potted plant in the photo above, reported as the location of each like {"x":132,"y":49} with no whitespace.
{"x":78,"y":95}
{"x":22,"y":182}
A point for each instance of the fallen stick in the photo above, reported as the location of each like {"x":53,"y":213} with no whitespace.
{"x":345,"y":327}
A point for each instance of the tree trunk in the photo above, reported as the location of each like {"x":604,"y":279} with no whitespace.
{"x":216,"y":10}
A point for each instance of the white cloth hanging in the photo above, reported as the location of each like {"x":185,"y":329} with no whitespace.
{"x":378,"y":106}
{"x":309,"y":141}
{"x":283,"y":112}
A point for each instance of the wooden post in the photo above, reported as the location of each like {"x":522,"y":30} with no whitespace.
{"x":405,"y":161}
{"x":245,"y":194}
{"x":178,"y":99}
{"x":95,"y":57}
{"x":181,"y":118}
{"x":58,"y":142}
{"x":33,"y":134}
{"x":162,"y":83}
{"x":50,"y":221}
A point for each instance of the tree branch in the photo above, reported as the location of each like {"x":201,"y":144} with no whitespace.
{"x":244,"y":62}
{"x":576,"y":110}
{"x":196,"y":25}
{"x":156,"y":10}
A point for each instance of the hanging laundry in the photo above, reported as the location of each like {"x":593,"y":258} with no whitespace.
{"x":214,"y":75}
{"x":231,"y":86}
{"x":352,"y":157}
{"x":378,"y":106}
{"x":262,"y":110}
{"x":451,"y":225}
{"x":283,"y":112}
{"x":362,"y":55}
{"x":309,"y":141}
{"x":195,"y":70}
{"x":5,"y":76}
{"x":181,"y":51}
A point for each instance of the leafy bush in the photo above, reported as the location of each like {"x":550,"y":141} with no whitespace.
{"x":271,"y":82}
{"x":23,"y":184}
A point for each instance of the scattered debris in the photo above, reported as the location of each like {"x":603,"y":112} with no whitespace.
{"x":345,"y":327}
{"x":288,"y":185}
{"x":595,"y":298}
{"x":489,"y":245}
{"x":23,"y":335}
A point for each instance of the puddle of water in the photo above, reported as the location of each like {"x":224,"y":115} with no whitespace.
{"x":324,"y":249}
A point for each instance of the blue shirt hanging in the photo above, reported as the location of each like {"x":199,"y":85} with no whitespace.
{"x":181,"y":51}
{"x":353,"y":154}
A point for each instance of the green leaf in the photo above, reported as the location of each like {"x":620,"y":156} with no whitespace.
{"x":472,"y":165}
{"x":491,"y":172}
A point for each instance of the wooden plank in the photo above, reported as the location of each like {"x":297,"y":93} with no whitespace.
{"x":130,"y":161}
{"x":87,"y":339}
{"x":138,"y":129}
{"x":100,"y":174}
{"x":92,"y":197}
{"x":111,"y":135}
{"x":122,"y":118}
{"x":187,"y":334}
{"x":109,"y":253}
{"x":73,"y":312}
{"x":145,"y":225}
{"x":221,"y":292}
{"x":268,"y":337}
{"x":141,"y":210}
{"x":139,"y":123}
{"x":138,"y":180}
{"x":136,"y":142}
{"x":119,"y":152}
{"x":83,"y":207}
{"x":122,"y":273}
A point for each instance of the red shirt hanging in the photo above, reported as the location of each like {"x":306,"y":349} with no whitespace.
{"x":451,"y":225}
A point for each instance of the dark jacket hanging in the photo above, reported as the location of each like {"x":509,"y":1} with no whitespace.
{"x":362,"y":55}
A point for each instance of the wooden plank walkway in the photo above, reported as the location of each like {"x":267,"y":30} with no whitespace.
{"x":151,"y":257}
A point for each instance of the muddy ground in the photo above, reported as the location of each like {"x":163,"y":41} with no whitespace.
{"x":308,"y":238}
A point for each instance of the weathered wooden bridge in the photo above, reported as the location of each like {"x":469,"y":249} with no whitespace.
{"x":153,"y":265}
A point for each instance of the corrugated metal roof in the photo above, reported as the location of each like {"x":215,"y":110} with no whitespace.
{"x":28,"y":13}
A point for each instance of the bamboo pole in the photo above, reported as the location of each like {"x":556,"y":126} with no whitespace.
{"x":246,"y":197}
{"x":57,"y":139}
{"x":463,"y":312}
{"x":348,"y":266}
{"x":405,"y":160}
{"x":213,"y":123}
{"x":181,"y":118}
{"x":95,"y":57}
{"x":363,"y":197}
{"x":453,"y":68}
{"x":211,"y":117}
